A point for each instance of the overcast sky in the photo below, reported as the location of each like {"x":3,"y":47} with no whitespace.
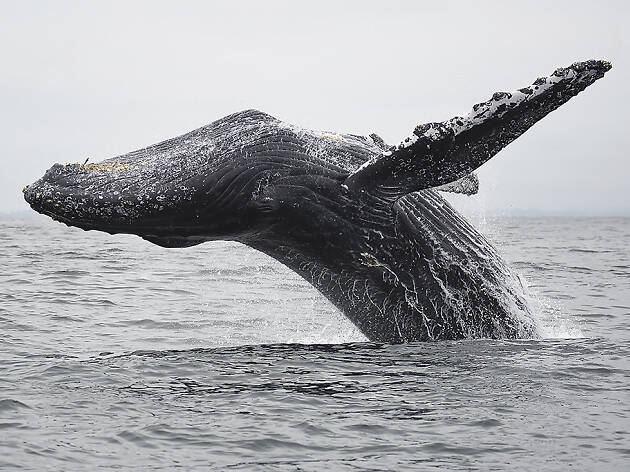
{"x":81,"y":79}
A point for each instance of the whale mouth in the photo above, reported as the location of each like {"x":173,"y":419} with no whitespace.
{"x":115,"y":197}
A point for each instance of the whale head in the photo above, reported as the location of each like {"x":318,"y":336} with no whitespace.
{"x":207,"y":184}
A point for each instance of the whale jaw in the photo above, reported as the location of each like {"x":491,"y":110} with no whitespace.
{"x":120,"y":199}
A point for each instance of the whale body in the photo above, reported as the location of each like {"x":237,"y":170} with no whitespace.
{"x":365,"y":223}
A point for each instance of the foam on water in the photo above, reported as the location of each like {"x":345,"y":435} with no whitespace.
{"x":552,"y":319}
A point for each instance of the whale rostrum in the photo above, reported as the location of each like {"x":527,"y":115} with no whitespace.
{"x":365,"y":223}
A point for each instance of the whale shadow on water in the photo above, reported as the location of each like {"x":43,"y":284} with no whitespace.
{"x":362,"y":221}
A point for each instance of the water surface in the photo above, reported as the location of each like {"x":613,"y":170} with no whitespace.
{"x":117,"y":354}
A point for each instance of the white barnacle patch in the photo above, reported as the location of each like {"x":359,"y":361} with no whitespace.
{"x":369,"y":260}
{"x":107,"y":167}
{"x":408,"y":141}
{"x":332,"y":137}
{"x":433,"y":133}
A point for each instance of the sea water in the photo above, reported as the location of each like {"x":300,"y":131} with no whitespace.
{"x":116,"y":354}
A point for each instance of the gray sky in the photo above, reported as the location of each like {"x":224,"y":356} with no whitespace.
{"x":83,"y":79}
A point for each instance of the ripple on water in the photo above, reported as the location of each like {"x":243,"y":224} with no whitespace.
{"x":9,"y":404}
{"x":149,"y":401}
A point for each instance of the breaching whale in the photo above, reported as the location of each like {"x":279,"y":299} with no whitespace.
{"x":363,"y":222}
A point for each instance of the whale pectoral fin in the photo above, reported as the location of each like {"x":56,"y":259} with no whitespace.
{"x":467,"y":185}
{"x":441,"y":153}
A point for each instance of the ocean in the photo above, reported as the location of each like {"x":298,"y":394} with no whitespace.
{"x":119,"y":355}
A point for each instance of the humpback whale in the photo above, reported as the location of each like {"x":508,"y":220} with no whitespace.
{"x":364,"y":222}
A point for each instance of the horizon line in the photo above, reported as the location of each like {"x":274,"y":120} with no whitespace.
{"x":518,"y":212}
